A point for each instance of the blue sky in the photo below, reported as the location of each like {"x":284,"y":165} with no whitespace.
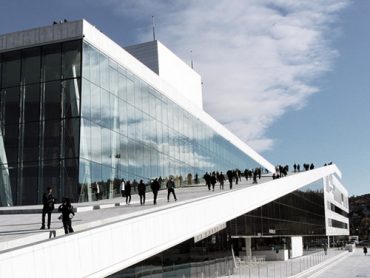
{"x":296,"y":72}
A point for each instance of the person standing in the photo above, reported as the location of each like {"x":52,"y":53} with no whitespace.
{"x":128,"y":192}
{"x":170,"y":189}
{"x":67,"y":211}
{"x":155,"y":188}
{"x":48,"y":202}
{"x":122,"y":187}
{"x":141,"y":190}
{"x":365,"y":250}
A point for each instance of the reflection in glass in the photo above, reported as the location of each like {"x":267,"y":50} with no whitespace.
{"x":31,"y":103}
{"x":51,"y":65}
{"x":31,"y":65}
{"x":11,"y":69}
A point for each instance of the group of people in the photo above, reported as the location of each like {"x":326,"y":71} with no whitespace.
{"x":155,"y":185}
{"x":66,"y":209}
{"x":306,"y":167}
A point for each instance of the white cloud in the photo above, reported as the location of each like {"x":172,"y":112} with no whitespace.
{"x":258,"y":58}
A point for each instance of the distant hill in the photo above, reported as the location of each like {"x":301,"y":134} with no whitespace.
{"x":359,"y":216}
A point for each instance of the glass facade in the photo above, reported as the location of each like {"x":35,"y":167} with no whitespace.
{"x":72,"y":116}
{"x":39,"y":100}
{"x":301,"y":212}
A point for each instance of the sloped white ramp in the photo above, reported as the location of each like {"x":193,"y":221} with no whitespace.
{"x":104,"y":250}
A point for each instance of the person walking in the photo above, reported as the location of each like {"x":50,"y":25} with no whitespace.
{"x":171,"y":189}
{"x":48,"y":202}
{"x":213,"y":180}
{"x":122,"y":187}
{"x":325,"y":246}
{"x":67,"y":211}
{"x":128,"y":192}
{"x":155,"y":188}
{"x":221,"y":179}
{"x":229,"y":175}
{"x":141,"y":190}
{"x":365,"y":250}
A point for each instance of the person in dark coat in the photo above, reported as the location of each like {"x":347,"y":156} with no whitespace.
{"x":171,"y":189}
{"x":221,"y":179}
{"x":155,"y":188}
{"x":213,"y":180}
{"x":128,"y":192}
{"x":48,"y":202}
{"x":230,"y":175}
{"x":67,"y":214}
{"x":207,"y":179}
{"x":141,"y":190}
{"x":365,"y":250}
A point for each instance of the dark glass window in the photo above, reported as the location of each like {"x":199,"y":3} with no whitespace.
{"x":51,"y":176}
{"x":31,"y":141}
{"x":32,"y":103}
{"x":52,"y":105}
{"x":11,"y":142}
{"x":71,"y":137}
{"x":12,"y":105}
{"x":31,"y":65}
{"x":52,"y":139}
{"x":29,"y":180}
{"x":71,"y":59}
{"x":11,"y":71}
{"x":51,"y":65}
{"x":71,"y":97}
{"x":70,"y":174}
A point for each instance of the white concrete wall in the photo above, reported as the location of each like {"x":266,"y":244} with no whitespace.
{"x":332,"y":186}
{"x":104,"y":250}
{"x":297,"y":246}
{"x":182,"y":77}
{"x":41,"y":35}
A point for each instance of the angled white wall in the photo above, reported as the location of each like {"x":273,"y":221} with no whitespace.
{"x":107,"y":249}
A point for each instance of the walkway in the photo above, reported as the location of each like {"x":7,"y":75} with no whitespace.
{"x":22,"y":228}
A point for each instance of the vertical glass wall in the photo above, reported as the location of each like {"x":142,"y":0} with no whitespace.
{"x":130,"y":130}
{"x":69,"y":123}
{"x":39,"y":120}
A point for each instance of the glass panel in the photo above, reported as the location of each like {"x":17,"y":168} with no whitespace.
{"x":95,"y":104}
{"x":52,"y":60}
{"x":31,"y":65}
{"x":94,"y":67}
{"x":71,"y":59}
{"x":29,"y":187}
{"x":70,"y":175}
{"x":85,"y":142}
{"x":51,"y":176}
{"x":52,"y":139}
{"x":12,"y":105}
{"x":71,"y":136}
{"x":32,"y":103}
{"x":106,"y":147}
{"x":11,"y":142}
{"x":86,"y":60}
{"x":71,"y":97}
{"x":52,"y":105}
{"x":11,"y":69}
{"x":31,"y":142}
{"x":96,"y":147}
{"x":86,"y":100}
{"x":104,"y":71}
